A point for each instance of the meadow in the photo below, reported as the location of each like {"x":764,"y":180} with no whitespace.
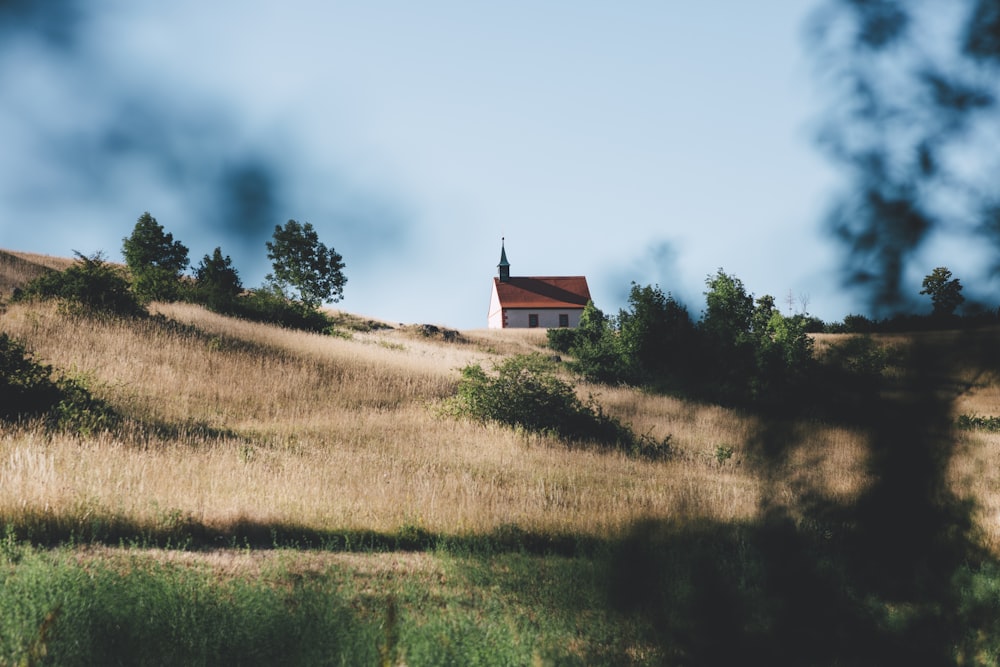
{"x":280,"y":496}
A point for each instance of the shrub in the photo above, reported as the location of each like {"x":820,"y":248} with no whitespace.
{"x":596,"y":348}
{"x":862,"y":357}
{"x":525,"y":393}
{"x":90,"y":286}
{"x":561,"y":340}
{"x":978,"y":423}
{"x":268,"y":305}
{"x":27,"y":390}
{"x":78,"y":410}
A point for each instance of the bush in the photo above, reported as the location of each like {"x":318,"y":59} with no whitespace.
{"x":90,"y":286}
{"x":270,"y":306}
{"x":27,"y":390}
{"x":562,"y":339}
{"x":862,"y":357}
{"x":525,"y":393}
{"x":978,"y":423}
{"x":597,"y":349}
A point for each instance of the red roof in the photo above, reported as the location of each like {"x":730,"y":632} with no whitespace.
{"x":543,"y":292}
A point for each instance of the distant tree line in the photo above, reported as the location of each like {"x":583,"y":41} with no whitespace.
{"x":305,"y":274}
{"x":742,"y":349}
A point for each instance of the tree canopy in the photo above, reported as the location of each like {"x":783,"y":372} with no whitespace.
{"x":155,"y":260}
{"x":217,"y":282}
{"x":945,"y":292}
{"x":302,"y":263}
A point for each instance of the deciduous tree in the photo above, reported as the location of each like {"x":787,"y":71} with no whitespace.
{"x":301,"y":262}
{"x":945,"y":292}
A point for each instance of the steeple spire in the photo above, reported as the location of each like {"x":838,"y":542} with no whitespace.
{"x":504,"y":265}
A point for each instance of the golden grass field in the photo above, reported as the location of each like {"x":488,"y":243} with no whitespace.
{"x":272,"y":426}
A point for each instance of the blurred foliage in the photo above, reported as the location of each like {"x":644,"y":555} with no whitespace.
{"x":913,"y":91}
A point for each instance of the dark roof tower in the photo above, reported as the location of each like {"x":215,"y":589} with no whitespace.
{"x":504,"y":265}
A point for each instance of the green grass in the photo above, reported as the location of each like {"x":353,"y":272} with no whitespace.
{"x":70,"y":607}
{"x":58,"y":610}
{"x":664,"y":594}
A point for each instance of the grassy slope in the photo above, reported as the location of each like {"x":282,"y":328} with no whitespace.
{"x":249,"y":437}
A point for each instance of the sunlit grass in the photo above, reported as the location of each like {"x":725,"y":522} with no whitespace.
{"x":239,"y":436}
{"x":230,"y":421}
{"x":276,"y":427}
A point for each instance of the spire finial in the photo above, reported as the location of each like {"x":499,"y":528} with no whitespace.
{"x":504,"y":265}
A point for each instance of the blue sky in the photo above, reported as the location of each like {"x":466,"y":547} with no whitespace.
{"x":646,"y":141}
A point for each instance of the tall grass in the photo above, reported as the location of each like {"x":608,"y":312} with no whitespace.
{"x":235,"y":421}
{"x":18,"y":268}
{"x":242,"y":436}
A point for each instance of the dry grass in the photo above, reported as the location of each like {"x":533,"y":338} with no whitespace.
{"x":19,"y":268}
{"x":276,"y":426}
{"x":236,"y":421}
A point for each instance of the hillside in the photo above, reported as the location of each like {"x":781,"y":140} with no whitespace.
{"x":247,"y":447}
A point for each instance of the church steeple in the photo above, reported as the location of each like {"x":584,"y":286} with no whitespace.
{"x":504,"y":265}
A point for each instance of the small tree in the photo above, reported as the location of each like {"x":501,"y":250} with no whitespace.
{"x":945,"y":291}
{"x":217,"y":283}
{"x":657,"y":333}
{"x":784,"y":358}
{"x":729,"y":310}
{"x":155,"y":260}
{"x":301,"y":262}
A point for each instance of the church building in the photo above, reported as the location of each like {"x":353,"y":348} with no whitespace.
{"x":540,"y":301}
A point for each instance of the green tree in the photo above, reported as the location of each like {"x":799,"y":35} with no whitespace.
{"x":762,"y":314}
{"x":301,"y":262}
{"x":750,"y":351}
{"x":656,"y":332}
{"x":155,"y":260}
{"x":783,"y":357}
{"x":596,"y":347}
{"x":945,"y":291}
{"x":729,"y":310}
{"x":217,"y":283}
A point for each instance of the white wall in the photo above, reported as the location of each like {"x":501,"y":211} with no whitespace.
{"x":547,"y":318}
{"x":495,"y":318}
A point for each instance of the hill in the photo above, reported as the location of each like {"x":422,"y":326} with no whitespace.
{"x":322,"y":463}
